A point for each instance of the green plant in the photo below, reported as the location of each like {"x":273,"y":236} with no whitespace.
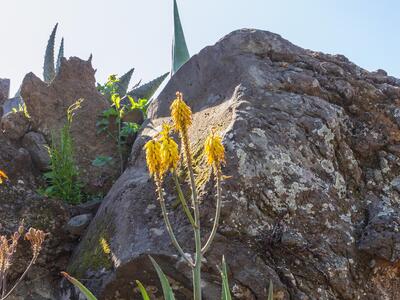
{"x":63,"y":178}
{"x":162,"y":156}
{"x":22,"y":108}
{"x":180,"y":52}
{"x":49,"y":69}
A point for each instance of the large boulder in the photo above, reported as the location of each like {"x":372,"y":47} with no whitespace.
{"x":309,"y":138}
{"x":4,"y":90}
{"x":47,"y":105}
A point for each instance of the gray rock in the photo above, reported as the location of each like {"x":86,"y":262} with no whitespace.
{"x":14,"y":125}
{"x":295,"y":204}
{"x":4,"y":90}
{"x":37,"y":146}
{"x":78,"y":224}
{"x":381,"y":236}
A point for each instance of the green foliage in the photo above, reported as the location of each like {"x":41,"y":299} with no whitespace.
{"x":22,"y":107}
{"x":88,"y":294}
{"x":116,"y":112}
{"x":49,"y":70}
{"x":271,"y":291}
{"x":143,"y":291}
{"x":167,"y":290}
{"x":60,"y":56}
{"x":225,"y":294}
{"x":63,"y":178}
{"x":180,"y":52}
{"x":147,"y":90}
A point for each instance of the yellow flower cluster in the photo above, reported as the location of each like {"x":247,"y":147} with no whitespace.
{"x":163,"y":154}
{"x":169,"y":150}
{"x":153,"y":157}
{"x":214,"y":150}
{"x":181,"y":114}
{"x":3,"y":176}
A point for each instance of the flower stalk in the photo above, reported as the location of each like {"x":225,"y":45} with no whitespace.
{"x":162,"y":156}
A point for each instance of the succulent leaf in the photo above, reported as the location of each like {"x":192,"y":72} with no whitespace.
{"x":123,"y":82}
{"x":60,"y":56}
{"x":48,"y":66}
{"x":180,"y":52}
{"x":147,"y":90}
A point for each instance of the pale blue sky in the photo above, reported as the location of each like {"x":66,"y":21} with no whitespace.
{"x":137,"y":33}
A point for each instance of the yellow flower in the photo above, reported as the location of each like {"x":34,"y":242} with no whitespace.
{"x":169,"y":150}
{"x":181,"y":113}
{"x":3,"y":176}
{"x":214,"y":150}
{"x":105,"y":246}
{"x":153,"y":157}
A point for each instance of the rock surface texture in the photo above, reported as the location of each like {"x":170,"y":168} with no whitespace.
{"x":48,"y":104}
{"x":19,"y":201}
{"x":313,"y":151}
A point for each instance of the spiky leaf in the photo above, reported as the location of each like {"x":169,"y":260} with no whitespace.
{"x":147,"y":90}
{"x":167,"y":290}
{"x":88,"y":294}
{"x":226,"y":294}
{"x":143,"y":291}
{"x":271,"y":291}
{"x":60,"y":56}
{"x":123,"y":82}
{"x":48,"y":66}
{"x":180,"y":52}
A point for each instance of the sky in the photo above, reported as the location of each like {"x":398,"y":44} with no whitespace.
{"x":122,"y":34}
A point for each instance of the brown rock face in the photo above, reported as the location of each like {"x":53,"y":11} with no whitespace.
{"x":48,"y":104}
{"x":312,"y":140}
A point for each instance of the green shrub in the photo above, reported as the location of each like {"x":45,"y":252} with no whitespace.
{"x":63,"y":178}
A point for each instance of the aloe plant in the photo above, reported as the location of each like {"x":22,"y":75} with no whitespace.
{"x":147,"y":90}
{"x":180,"y":52}
{"x":49,"y":69}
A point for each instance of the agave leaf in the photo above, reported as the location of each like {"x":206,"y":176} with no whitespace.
{"x":147,"y":90}
{"x":60,"y":56}
{"x":123,"y":82}
{"x":168,"y":294}
{"x":88,"y":294}
{"x":180,"y":52}
{"x":48,"y":66}
{"x":143,"y":291}
{"x":226,"y":294}
{"x":271,"y":291}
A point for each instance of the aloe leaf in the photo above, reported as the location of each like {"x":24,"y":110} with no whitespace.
{"x":60,"y":56}
{"x":147,"y":90}
{"x":271,"y":291}
{"x":180,"y":52}
{"x":48,"y":66}
{"x":167,"y":290}
{"x":123,"y":82}
{"x":88,"y":294}
{"x":143,"y":291}
{"x":226,"y":294}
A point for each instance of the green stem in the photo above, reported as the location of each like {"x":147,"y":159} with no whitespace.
{"x":197,"y":233}
{"x":217,"y":213}
{"x":182,"y":200}
{"x":121,"y":159}
{"x":169,"y":227}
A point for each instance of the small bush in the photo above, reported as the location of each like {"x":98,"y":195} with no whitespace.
{"x":64,"y":176}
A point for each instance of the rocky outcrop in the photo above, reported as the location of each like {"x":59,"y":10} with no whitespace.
{"x":37,"y":147}
{"x":14,"y":125}
{"x":19,"y":201}
{"x":47,"y":105}
{"x":4,"y":90}
{"x":310,"y":138}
